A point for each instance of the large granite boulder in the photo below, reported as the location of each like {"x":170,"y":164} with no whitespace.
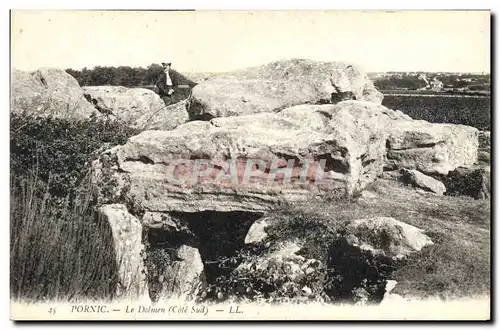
{"x":139,"y":108}
{"x":430,"y":148}
{"x":234,"y":163}
{"x":48,"y":92}
{"x":279,"y":85}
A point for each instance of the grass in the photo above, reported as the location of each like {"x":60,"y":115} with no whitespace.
{"x":474,"y":112}
{"x":457,"y":265}
{"x":58,"y":250}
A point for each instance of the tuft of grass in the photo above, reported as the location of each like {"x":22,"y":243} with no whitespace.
{"x":58,"y":250}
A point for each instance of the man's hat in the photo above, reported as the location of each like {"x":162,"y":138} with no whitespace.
{"x":166,"y":63}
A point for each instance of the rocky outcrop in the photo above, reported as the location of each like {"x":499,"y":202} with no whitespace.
{"x":423,"y":181}
{"x":53,"y":92}
{"x":278,"y":85}
{"x":206,"y":165}
{"x":129,"y":250}
{"x":182,"y":185}
{"x":48,"y":92}
{"x":204,"y":192}
{"x":430,"y":148}
{"x":138,"y":108}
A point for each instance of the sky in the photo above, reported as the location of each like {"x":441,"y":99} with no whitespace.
{"x":212,"y":41}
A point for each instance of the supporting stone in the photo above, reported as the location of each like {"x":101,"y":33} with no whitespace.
{"x":127,"y":236}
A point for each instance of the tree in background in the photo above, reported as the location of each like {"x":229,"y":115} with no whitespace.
{"x":123,"y":76}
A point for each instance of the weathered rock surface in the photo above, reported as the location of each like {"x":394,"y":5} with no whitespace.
{"x":154,"y":173}
{"x":139,"y":108}
{"x":423,"y":181}
{"x":474,"y":181}
{"x":48,"y":92}
{"x":349,"y":137}
{"x":129,"y":250}
{"x":183,"y":277}
{"x":278,"y":85}
{"x":386,"y":237}
{"x":430,"y":148}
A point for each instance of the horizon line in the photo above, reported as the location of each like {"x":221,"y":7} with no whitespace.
{"x":215,"y":72}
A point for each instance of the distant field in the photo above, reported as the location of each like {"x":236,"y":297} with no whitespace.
{"x":448,"y":93}
{"x":472,"y":111}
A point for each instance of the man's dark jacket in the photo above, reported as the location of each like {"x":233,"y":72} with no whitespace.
{"x":162,"y":82}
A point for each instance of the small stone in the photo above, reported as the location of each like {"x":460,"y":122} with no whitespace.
{"x":423,"y":181}
{"x":368,"y":194}
{"x":257,"y":232}
{"x":306,"y":290}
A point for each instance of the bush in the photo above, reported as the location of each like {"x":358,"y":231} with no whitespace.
{"x":466,"y":182}
{"x":61,"y":149}
{"x":59,"y":248}
{"x":326,"y":268}
{"x":260,"y":278}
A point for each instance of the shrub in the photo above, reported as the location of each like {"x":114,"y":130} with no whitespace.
{"x":474,"y":183}
{"x":326,"y":268}
{"x":60,"y":148}
{"x":59,"y":248}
